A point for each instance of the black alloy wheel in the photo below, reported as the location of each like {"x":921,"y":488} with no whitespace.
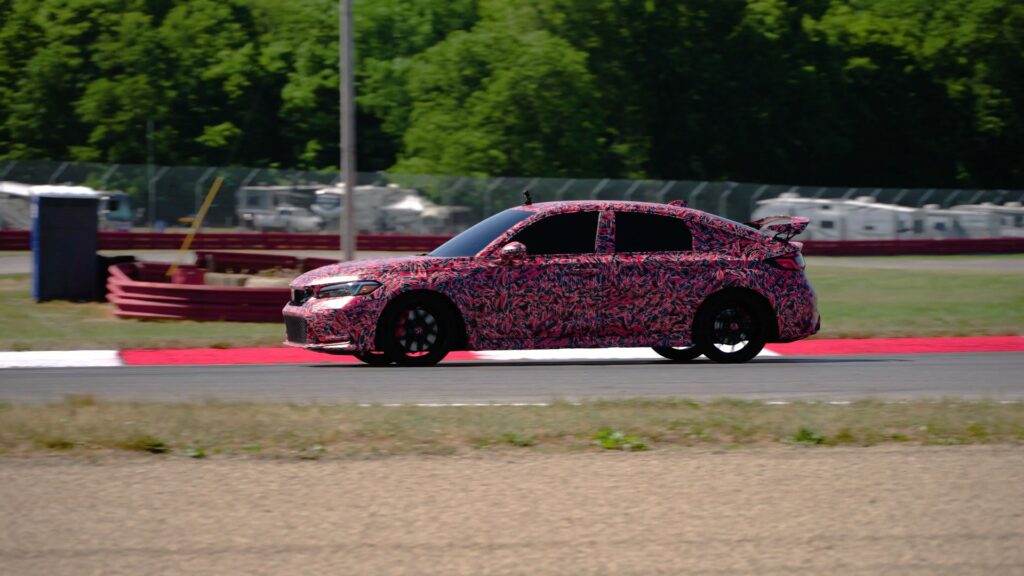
{"x":417,"y":331}
{"x":730,"y":330}
{"x":680,"y":354}
{"x":374,"y":358}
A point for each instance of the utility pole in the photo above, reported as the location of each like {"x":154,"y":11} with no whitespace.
{"x":347,"y":113}
{"x":151,"y":208}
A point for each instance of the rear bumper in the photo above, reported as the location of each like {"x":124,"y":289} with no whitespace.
{"x":795,"y":337}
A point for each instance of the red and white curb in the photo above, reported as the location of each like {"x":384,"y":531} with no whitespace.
{"x":283,"y":355}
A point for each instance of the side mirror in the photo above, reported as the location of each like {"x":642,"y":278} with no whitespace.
{"x":511,"y":252}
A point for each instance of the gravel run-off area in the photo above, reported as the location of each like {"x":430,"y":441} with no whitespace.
{"x":790,"y":510}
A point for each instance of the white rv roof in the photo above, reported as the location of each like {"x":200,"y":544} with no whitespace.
{"x":836,"y":202}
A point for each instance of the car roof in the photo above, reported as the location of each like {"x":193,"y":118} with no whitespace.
{"x":694,"y":215}
{"x":570,"y":205}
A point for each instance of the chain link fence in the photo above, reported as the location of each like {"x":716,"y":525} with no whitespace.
{"x":169,"y":195}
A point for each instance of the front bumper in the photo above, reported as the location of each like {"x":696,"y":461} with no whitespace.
{"x":336,"y":348}
{"x":334,"y":325}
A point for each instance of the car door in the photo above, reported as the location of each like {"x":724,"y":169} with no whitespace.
{"x":551,"y":296}
{"x":651,"y":280}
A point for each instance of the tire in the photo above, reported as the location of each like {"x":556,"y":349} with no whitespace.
{"x":417,"y":331}
{"x":731,"y":329}
{"x":373,"y":358}
{"x":679,"y":354}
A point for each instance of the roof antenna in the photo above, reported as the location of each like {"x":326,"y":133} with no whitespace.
{"x":529,"y":199}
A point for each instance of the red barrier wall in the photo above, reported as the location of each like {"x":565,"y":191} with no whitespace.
{"x":135,"y":297}
{"x":19,"y":240}
{"x":913,"y":247}
{"x":14,"y":240}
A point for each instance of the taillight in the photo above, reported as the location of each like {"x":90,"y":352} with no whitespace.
{"x":793,"y":263}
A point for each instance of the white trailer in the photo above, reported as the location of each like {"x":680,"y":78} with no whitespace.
{"x":115,"y":211}
{"x":838,"y":219}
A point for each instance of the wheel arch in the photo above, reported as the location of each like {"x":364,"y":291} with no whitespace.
{"x":441,"y":298}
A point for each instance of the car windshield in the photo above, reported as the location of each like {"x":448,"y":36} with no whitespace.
{"x":475,"y":239}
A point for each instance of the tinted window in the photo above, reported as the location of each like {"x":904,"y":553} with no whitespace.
{"x":636,"y":232}
{"x":480,"y":235}
{"x":573,"y":233}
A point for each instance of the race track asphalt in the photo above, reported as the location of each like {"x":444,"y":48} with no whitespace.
{"x":997,"y":376}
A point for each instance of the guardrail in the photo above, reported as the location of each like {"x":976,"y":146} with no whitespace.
{"x":19,"y":240}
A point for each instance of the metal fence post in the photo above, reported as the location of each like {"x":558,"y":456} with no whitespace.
{"x":56,"y":173}
{"x":561,"y":191}
{"x":660,"y":195}
{"x":977,"y":196}
{"x":152,"y":194}
{"x":629,"y":192}
{"x":696,"y":192}
{"x":724,"y":198}
{"x":532,"y":183}
{"x":487,"y":196}
{"x":107,"y":175}
{"x":757,"y":196}
{"x":597,"y":189}
{"x":10,"y":166}
{"x":198,"y":188}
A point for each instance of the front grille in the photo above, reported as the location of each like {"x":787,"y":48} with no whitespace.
{"x":301,"y":295}
{"x":295,"y":328}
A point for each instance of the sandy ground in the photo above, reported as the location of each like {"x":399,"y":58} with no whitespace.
{"x":883,"y":510}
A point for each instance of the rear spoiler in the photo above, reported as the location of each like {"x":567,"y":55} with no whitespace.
{"x":782,"y":228}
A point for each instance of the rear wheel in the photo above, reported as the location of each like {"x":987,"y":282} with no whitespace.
{"x":731,"y":329}
{"x":683,"y":354}
{"x":374,"y":358}
{"x":417,"y":331}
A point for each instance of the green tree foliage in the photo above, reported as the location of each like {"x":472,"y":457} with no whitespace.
{"x":845,"y":92}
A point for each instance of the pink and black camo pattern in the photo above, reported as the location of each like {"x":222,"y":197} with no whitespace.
{"x":602,"y":299}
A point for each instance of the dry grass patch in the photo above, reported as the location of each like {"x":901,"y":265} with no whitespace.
{"x":82,"y":425}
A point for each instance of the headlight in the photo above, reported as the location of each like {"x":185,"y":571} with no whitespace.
{"x":361,"y":288}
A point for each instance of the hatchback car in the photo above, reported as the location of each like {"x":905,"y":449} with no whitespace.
{"x":582,"y":274}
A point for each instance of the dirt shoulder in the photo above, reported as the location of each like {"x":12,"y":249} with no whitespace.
{"x":893,"y":510}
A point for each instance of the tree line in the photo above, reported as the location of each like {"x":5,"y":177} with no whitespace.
{"x":833,"y":92}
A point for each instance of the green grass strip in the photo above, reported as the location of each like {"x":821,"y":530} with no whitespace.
{"x":83,"y":425}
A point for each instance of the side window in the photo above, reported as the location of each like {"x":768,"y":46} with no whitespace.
{"x":572,"y":233}
{"x":637,"y":232}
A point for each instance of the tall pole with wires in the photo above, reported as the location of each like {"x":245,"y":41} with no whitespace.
{"x":348,"y":127}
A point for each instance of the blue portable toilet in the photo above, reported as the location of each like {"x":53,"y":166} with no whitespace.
{"x":65,"y":238}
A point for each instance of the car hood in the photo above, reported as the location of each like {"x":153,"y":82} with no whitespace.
{"x":374,"y":269}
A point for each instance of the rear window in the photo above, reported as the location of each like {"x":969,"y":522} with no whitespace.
{"x":639,"y":232}
{"x":572,"y":233}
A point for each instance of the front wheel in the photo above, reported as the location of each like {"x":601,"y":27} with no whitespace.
{"x":731,"y":329}
{"x":679,"y":354}
{"x":417,"y":331}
